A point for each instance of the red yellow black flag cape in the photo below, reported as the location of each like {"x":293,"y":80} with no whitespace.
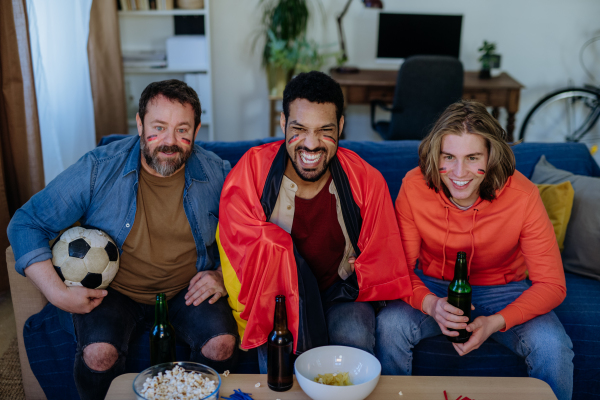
{"x":258,"y":258}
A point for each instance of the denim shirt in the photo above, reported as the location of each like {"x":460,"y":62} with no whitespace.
{"x":100,"y":191}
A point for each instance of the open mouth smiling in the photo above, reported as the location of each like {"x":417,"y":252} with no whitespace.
{"x":460,"y":183}
{"x":310,"y":159}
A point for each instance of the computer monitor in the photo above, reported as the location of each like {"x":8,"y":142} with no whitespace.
{"x":404,"y":35}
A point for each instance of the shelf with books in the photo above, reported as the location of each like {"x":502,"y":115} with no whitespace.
{"x":153,"y":40}
{"x":158,"y":13}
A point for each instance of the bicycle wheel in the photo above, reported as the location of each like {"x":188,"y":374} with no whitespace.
{"x":567,"y":115}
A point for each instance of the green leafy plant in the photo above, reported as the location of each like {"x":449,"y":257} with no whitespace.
{"x":487,"y":49}
{"x":300,"y":55}
{"x":284,"y":25}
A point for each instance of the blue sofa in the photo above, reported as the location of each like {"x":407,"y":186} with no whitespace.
{"x":50,"y":340}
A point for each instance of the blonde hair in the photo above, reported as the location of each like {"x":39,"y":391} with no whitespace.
{"x":472,"y":117}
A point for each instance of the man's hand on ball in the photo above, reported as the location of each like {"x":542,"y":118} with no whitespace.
{"x":78,"y":299}
{"x":204,"y":285}
{"x":73,"y":299}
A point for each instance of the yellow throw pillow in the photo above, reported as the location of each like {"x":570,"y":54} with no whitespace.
{"x":558,"y":201}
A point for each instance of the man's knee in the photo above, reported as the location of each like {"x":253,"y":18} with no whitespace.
{"x":100,"y":356}
{"x":219,"y":348}
{"x":396,"y":320}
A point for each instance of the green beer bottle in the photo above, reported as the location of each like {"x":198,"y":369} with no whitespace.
{"x":459,"y":295}
{"x":162,"y":335}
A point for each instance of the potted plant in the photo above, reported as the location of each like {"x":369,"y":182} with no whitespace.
{"x":287,"y":50}
{"x":488,"y":59}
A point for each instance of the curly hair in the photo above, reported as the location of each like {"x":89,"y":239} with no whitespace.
{"x":174,"y":90}
{"x":468,"y":117}
{"x":315,"y":87}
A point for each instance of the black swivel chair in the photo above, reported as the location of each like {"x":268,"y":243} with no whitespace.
{"x":426,"y":85}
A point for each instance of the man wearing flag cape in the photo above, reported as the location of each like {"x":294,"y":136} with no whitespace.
{"x":311,"y":221}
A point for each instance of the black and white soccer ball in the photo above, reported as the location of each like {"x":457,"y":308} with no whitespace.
{"x":85,"y":257}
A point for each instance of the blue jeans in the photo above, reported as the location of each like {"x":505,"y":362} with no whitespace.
{"x":118,"y":318}
{"x":541,"y":341}
{"x":348,"y":324}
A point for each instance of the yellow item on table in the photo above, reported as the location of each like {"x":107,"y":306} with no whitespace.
{"x":337,"y":379}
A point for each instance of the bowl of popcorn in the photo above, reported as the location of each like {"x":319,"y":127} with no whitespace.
{"x":177,"y":380}
{"x":337,"y":373}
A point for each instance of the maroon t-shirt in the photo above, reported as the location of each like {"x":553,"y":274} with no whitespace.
{"x":318,"y":236}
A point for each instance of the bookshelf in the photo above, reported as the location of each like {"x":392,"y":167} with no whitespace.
{"x":150,"y":13}
{"x":147,"y":31}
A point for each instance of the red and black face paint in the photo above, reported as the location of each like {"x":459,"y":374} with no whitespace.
{"x":443,"y":170}
{"x":481,"y":171}
{"x":293,"y":139}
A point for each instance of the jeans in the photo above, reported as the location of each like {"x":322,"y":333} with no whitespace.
{"x":541,"y":341}
{"x":348,"y":324}
{"x":118,"y":318}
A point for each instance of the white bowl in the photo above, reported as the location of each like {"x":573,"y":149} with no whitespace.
{"x":363,"y":368}
{"x":189,"y":366}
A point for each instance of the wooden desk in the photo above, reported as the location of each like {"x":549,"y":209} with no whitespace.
{"x":412,"y":388}
{"x":366,"y":85}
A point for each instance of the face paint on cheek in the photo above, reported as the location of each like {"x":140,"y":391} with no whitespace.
{"x":481,"y":171}
{"x":443,"y":170}
{"x":328,"y":139}
{"x":151,"y":138}
{"x":186,"y":141}
{"x":294,"y":138}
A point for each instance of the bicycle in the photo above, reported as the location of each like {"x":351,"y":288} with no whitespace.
{"x":569,"y":114}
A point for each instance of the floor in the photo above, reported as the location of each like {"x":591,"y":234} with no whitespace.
{"x":8,"y":329}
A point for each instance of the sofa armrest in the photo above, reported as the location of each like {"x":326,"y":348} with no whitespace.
{"x":27,"y":300}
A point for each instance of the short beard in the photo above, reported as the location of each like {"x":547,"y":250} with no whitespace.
{"x":167,"y":167}
{"x":302,"y":174}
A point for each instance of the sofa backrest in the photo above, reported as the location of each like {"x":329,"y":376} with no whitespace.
{"x":395,"y":158}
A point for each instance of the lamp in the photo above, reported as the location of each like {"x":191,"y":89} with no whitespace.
{"x":368,"y":4}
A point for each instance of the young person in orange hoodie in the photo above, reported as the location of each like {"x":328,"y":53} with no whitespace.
{"x":467,"y":196}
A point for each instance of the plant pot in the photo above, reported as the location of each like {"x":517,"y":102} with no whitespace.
{"x":278,"y":78}
{"x":485,"y":74}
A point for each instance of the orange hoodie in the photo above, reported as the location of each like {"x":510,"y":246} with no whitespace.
{"x":503,"y":239}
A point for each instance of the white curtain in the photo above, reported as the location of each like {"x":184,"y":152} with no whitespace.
{"x":59,"y":31}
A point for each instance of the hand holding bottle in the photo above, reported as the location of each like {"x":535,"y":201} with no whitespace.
{"x":446,"y":315}
{"x":482,"y":328}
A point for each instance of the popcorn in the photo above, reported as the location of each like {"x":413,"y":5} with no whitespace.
{"x":226,"y":373}
{"x":178,"y":384}
{"x":257,"y":384}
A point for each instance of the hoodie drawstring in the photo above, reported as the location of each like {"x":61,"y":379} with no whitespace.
{"x":472,"y":243}
{"x":445,"y":240}
{"x":472,"y":246}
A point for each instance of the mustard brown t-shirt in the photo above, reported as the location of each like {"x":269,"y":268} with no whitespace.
{"x":159,"y":254}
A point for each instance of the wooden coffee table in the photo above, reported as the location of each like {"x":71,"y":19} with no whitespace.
{"x":412,"y":388}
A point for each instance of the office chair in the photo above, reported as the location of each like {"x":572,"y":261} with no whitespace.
{"x":426,"y":85}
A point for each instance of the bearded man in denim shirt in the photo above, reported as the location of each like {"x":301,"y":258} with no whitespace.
{"x":157,"y":196}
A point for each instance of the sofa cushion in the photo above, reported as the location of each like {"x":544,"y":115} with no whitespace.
{"x":558,"y":202}
{"x":580,"y":316}
{"x":582,"y":252}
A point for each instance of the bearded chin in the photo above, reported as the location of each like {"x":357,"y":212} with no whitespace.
{"x":313,"y":176}
{"x":164,"y":167}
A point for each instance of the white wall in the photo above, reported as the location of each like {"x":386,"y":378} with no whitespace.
{"x":539,"y":41}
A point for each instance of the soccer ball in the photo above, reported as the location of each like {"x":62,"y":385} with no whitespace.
{"x":85,"y":257}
